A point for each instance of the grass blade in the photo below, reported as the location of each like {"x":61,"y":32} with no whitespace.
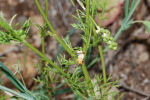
{"x":16,"y":93}
{"x":132,"y":9}
{"x":12,"y":78}
{"x":126,"y":7}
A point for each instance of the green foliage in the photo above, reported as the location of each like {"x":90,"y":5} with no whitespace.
{"x":105,"y":90}
{"x":128,"y":13}
{"x":24,"y":92}
{"x":2,"y":96}
{"x":127,"y":21}
{"x":11,"y":33}
{"x":43,"y":89}
{"x":73,"y":70}
{"x":80,"y":16}
{"x":12,"y":78}
{"x":102,"y":33}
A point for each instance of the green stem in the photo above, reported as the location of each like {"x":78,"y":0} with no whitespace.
{"x":43,"y":32}
{"x":126,"y":19}
{"x":44,"y":57}
{"x":43,"y":36}
{"x":43,"y":43}
{"x":72,"y":3}
{"x":87,"y":10}
{"x":85,"y":72}
{"x":43,"y":51}
{"x":53,"y":31}
{"x":103,"y":63}
{"x":88,"y":79}
{"x":86,"y":32}
{"x":46,"y":8}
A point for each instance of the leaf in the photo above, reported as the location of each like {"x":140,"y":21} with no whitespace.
{"x":88,"y":56}
{"x":12,"y":78}
{"x":132,"y":9}
{"x":22,"y":95}
{"x":66,"y":90}
{"x":126,"y":7}
{"x":9,"y":33}
{"x":4,"y":24}
{"x":128,"y":24}
{"x":147,"y":25}
{"x":26,"y":94}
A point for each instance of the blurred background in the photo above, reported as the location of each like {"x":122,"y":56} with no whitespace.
{"x":130,"y":63}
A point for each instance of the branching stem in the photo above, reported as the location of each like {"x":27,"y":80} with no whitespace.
{"x":53,"y":30}
{"x":44,"y":57}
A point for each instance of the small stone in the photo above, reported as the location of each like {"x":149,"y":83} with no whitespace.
{"x":143,"y":56}
{"x":13,"y":2}
{"x":22,"y":19}
{"x":146,"y":81}
{"x":21,"y":1}
{"x":37,"y":19}
{"x":37,"y":40}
